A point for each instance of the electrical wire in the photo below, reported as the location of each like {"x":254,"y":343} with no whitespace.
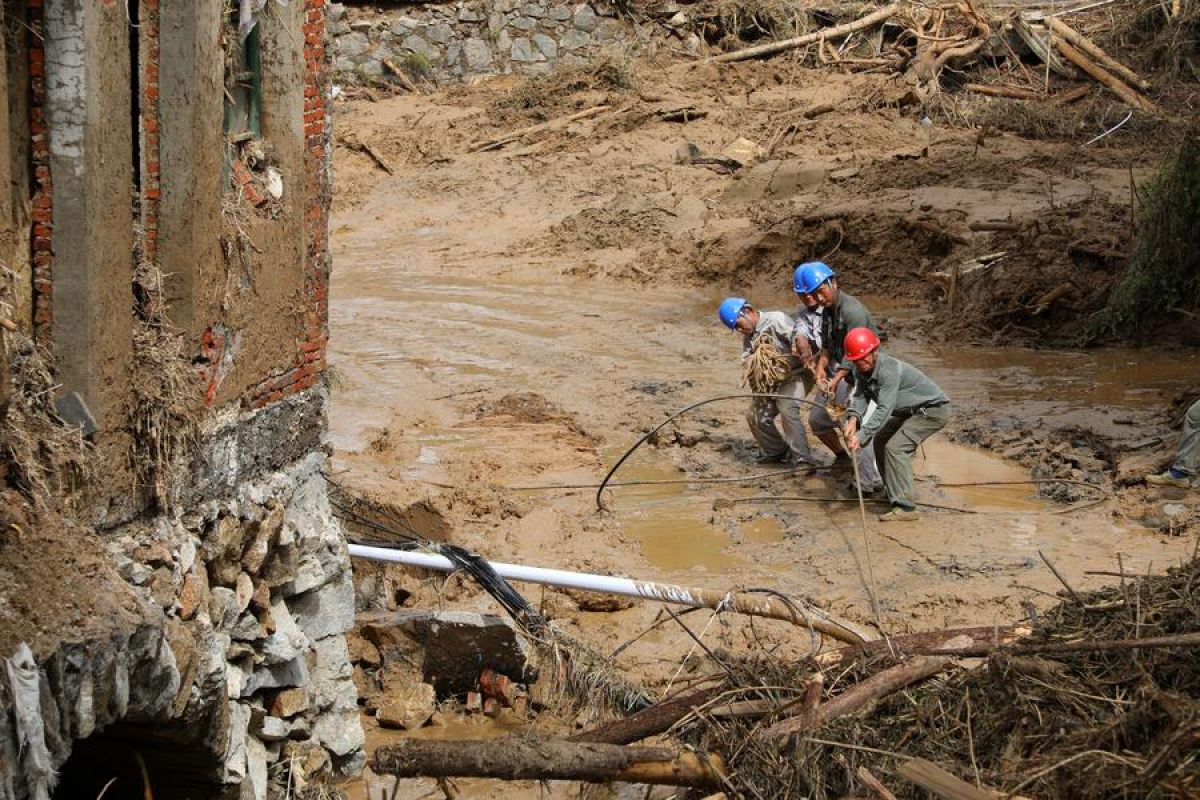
{"x":645,"y":437}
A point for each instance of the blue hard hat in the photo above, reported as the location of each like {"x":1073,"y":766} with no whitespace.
{"x":730,"y":309}
{"x":811,"y":275}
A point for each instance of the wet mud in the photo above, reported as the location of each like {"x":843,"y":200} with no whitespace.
{"x":488,"y":341}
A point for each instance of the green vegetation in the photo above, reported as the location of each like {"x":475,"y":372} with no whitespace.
{"x":1163,"y":276}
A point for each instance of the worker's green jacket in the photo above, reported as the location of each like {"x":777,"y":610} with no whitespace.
{"x":836,"y":321}
{"x":897,"y":388}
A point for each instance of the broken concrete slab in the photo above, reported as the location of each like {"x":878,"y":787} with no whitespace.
{"x":458,"y":645}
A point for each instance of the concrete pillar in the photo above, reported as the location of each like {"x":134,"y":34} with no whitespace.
{"x":192,"y":151}
{"x":88,"y":111}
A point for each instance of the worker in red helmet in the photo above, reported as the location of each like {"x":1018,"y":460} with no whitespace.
{"x":909,"y":408}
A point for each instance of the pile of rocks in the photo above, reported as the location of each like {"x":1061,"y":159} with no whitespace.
{"x":450,"y":41}
{"x":258,"y":596}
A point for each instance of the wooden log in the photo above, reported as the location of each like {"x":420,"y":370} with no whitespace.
{"x":1089,"y":47}
{"x":1014,"y":92}
{"x":1070,"y":95}
{"x":1007,"y":225}
{"x":534,"y":758}
{"x":497,"y":143}
{"x":400,"y":76}
{"x":938,"y":781}
{"x":862,"y":696}
{"x":783,"y":45}
{"x":647,"y":722}
{"x":874,"y":784}
{"x":1129,"y":95}
{"x":947,"y":641}
{"x":1043,"y":303}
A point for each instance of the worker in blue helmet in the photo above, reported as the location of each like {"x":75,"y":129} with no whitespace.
{"x":739,"y":315}
{"x":840,"y":312}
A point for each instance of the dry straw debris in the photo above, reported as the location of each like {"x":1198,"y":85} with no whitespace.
{"x":1089,"y":723}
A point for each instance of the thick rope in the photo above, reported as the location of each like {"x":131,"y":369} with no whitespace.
{"x":765,"y":369}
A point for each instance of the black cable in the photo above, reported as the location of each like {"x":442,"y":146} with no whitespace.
{"x":677,"y":415}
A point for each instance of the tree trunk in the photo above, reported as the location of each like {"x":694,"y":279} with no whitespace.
{"x":530,"y":758}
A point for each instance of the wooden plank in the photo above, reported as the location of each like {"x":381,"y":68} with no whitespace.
{"x":932,"y":778}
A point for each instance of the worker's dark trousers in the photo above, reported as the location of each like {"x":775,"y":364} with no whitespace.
{"x":895,"y":445}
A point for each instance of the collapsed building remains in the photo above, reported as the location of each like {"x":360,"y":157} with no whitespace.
{"x":173,"y":595}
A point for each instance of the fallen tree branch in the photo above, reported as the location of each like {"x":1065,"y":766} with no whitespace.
{"x":1129,"y":95}
{"x":939,"y":782}
{"x":863,"y":695}
{"x":1014,"y":92}
{"x":401,"y":78}
{"x":647,"y":722}
{"x":497,"y":143}
{"x":533,"y":758}
{"x":1092,"y":49}
{"x":946,"y":642}
{"x":1093,"y":646}
{"x":783,"y":45}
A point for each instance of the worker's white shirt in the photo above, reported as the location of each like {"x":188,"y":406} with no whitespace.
{"x":808,"y":325}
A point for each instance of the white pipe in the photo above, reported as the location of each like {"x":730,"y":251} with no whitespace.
{"x":759,"y":605}
{"x":548,"y":577}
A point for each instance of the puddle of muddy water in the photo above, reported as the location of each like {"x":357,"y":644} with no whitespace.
{"x":670,"y":523}
{"x":943,"y":461}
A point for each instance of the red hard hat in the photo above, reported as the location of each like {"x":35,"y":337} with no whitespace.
{"x":860,"y":342}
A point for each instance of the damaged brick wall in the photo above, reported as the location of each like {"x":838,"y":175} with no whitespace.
{"x":43,"y":196}
{"x":243,"y":584}
{"x":309,"y":362}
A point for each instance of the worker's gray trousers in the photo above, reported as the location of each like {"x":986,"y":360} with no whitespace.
{"x":897,"y":442}
{"x":761,"y":419}
{"x":1188,"y":459}
{"x":820,"y":422}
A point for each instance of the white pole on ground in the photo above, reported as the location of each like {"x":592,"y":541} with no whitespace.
{"x":759,"y":605}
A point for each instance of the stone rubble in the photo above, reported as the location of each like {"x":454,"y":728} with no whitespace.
{"x":453,"y":41}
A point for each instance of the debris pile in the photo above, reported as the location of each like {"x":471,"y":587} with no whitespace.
{"x":1100,"y":700}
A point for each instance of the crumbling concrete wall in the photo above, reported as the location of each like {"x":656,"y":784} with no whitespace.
{"x":451,"y":41}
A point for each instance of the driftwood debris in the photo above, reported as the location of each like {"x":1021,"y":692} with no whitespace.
{"x":941,"y":783}
{"x":863,"y":695}
{"x":370,"y":152}
{"x":647,"y":722}
{"x":783,"y":45}
{"x":400,"y":76}
{"x":1122,"y":90}
{"x":533,"y":758}
{"x":512,"y":136}
{"x":1014,"y":92}
{"x":1086,"y":45}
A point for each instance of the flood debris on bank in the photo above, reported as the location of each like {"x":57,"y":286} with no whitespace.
{"x":1097,"y":697}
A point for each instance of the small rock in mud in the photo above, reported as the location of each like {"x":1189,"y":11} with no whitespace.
{"x":408,"y":709}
